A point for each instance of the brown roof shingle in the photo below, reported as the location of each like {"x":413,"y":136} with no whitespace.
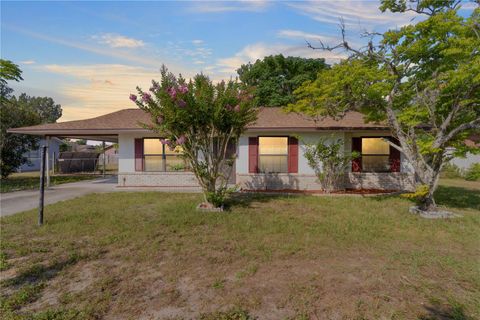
{"x":131,"y":119}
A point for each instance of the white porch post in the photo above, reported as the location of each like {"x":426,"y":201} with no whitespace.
{"x":103,"y":166}
{"x":47,"y":142}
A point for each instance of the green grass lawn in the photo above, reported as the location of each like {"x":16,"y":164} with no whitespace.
{"x":152,"y":256}
{"x":31,"y":180}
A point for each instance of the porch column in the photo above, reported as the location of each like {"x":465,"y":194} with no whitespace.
{"x":103,"y":167}
{"x":47,"y":143}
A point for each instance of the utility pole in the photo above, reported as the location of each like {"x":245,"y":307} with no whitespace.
{"x":42,"y":185}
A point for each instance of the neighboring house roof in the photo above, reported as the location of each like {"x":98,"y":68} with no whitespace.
{"x":106,"y":127}
{"x":473,"y":140}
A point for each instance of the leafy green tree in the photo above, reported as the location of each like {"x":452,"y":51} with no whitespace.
{"x":422,"y":79}
{"x":19,"y":112}
{"x":202,"y":119}
{"x":275,"y":77}
{"x":8,"y":71}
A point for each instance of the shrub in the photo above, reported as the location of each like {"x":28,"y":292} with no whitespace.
{"x":473,"y":173}
{"x":328,"y":161}
{"x":451,"y":171}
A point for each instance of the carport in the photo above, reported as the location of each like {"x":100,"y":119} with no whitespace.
{"x":48,"y":131}
{"x":103,"y":128}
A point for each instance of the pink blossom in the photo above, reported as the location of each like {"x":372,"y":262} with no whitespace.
{"x":237,"y":108}
{"x":146,"y":97}
{"x":181,"y":103}
{"x":228,"y":107}
{"x":159,"y":119}
{"x":183,"y":89}
{"x":133,"y":98}
{"x":181,"y":140}
{"x":172,"y":92}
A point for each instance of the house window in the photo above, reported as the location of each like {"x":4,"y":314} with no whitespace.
{"x":273,"y":154}
{"x":375,"y":155}
{"x":159,"y":157}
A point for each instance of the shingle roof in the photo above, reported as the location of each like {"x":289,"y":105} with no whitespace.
{"x":131,"y":119}
{"x":277,"y":118}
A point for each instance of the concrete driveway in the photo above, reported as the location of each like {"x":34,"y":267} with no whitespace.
{"x":18,"y":201}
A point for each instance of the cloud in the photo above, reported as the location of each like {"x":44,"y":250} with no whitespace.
{"x":95,"y":89}
{"x":297,"y":34}
{"x":197,"y":42}
{"x":28,"y":62}
{"x":250,"y":53}
{"x":228,"y":6}
{"x":118,"y":41}
{"x":354,"y":13}
{"x":143,"y":58}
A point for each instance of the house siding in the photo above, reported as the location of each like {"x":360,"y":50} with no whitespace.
{"x":305,"y":179}
{"x":34,"y":156}
{"x":128,"y":177}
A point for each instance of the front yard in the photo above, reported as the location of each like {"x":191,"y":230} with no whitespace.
{"x":152,"y":256}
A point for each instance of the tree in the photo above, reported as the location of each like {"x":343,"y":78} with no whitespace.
{"x":19,"y":112}
{"x":202,"y":119}
{"x":422,"y":79}
{"x":275,"y":77}
{"x":47,"y":109}
{"x":327,"y":159}
{"x":8,"y":71}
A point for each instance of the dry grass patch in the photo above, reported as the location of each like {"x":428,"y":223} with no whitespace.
{"x":152,"y":256}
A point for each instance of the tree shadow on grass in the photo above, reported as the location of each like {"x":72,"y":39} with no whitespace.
{"x":445,"y":312}
{"x":247,"y":199}
{"x":457,"y":197}
{"x":38,"y":272}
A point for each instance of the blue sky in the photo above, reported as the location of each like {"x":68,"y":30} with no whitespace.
{"x":89,"y":56}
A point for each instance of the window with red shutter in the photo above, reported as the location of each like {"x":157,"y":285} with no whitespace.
{"x":394,"y":156}
{"x":357,"y":146}
{"x":292,"y":155}
{"x":139,"y":154}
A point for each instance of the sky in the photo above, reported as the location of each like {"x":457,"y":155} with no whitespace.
{"x":90,"y":55}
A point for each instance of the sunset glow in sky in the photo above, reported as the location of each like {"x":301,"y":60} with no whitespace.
{"x":89,"y":56}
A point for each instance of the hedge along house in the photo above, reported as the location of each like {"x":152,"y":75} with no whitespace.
{"x":268,"y":156}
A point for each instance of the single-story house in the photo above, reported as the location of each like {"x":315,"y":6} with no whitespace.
{"x":269,"y":155}
{"x":33,"y":156}
{"x":464,"y":163}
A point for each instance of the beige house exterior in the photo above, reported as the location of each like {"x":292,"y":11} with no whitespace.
{"x":268,"y":156}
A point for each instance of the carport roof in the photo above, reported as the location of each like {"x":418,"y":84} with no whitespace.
{"x":108,"y":126}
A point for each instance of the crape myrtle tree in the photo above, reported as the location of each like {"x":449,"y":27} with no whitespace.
{"x":423,"y":79}
{"x":202,"y":118}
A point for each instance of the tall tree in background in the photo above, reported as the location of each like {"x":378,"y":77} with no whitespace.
{"x":19,"y":112}
{"x":422,"y":79}
{"x":275,"y":77}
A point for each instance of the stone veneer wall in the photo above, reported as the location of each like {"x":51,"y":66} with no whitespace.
{"x":165,"y":180}
{"x":385,"y":181}
{"x":279,"y":181}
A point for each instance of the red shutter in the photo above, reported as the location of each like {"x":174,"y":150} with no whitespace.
{"x":253,"y":155}
{"x":357,"y":146}
{"x":139,"y":154}
{"x":394,"y":156}
{"x":292,"y":155}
